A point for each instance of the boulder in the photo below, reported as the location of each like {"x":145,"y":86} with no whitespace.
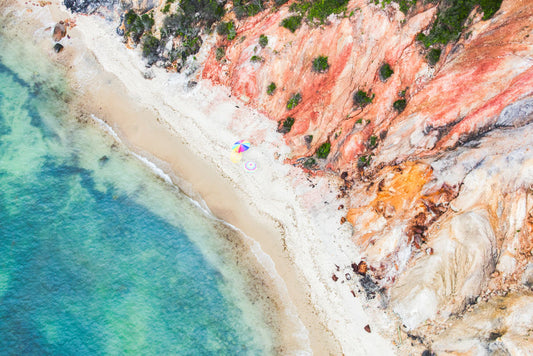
{"x":60,"y":31}
{"x":58,"y":47}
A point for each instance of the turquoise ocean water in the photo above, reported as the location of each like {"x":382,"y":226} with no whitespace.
{"x":98,"y":255}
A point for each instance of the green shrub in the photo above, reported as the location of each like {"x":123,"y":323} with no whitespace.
{"x":292,"y":23}
{"x":150,"y":46}
{"x":385,"y":71}
{"x":433,"y":56}
{"x":489,"y":7}
{"x":129,"y":19}
{"x":320,"y":64}
{"x":191,"y":19}
{"x":361,"y":98}
{"x":451,"y":19}
{"x":220,"y":53}
{"x":136,"y":25}
{"x":364,"y":161}
{"x":227,"y":29}
{"x":309,"y":163}
{"x":300,"y":7}
{"x":255,"y":59}
{"x":294,"y":101}
{"x":317,"y":11}
{"x":285,"y":126}
{"x":263,"y":41}
{"x":405,"y":5}
{"x":271,"y":88}
{"x":373,"y":141}
{"x":194,"y":16}
{"x":321,"y":9}
{"x":245,"y":8}
{"x":399,"y":105}
{"x":323,"y":150}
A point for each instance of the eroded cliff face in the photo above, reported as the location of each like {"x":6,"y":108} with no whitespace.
{"x":356,"y":47}
{"x":442,"y":200}
{"x":440,"y":191}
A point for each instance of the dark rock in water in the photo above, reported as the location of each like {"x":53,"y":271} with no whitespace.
{"x":88,"y":6}
{"x":58,"y":47}
{"x":103,"y":160}
{"x":60,"y":31}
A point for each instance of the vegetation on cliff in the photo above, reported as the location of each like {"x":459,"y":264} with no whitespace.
{"x":361,"y":98}
{"x":227,"y":29}
{"x":451,"y":19}
{"x":323,"y":150}
{"x":317,"y":11}
{"x":292,"y":23}
{"x":385,"y":71}
{"x":271,"y":88}
{"x":320,"y":64}
{"x":450,"y":22}
{"x":285,"y":126}
{"x":294,"y":100}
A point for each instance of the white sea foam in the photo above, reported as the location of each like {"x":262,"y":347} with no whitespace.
{"x":104,"y":125}
{"x":155,"y":169}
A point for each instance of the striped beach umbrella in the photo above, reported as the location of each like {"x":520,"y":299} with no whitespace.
{"x":241,"y":146}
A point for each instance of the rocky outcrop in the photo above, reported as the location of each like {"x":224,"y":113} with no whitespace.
{"x":92,"y":6}
{"x":60,"y":31}
{"x":440,"y":188}
{"x":88,"y":6}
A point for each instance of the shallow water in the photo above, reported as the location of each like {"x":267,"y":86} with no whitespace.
{"x":98,"y":255}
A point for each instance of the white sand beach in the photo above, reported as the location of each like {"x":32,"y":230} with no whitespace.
{"x":292,"y":219}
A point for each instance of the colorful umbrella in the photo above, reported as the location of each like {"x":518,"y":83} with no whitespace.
{"x":235,"y":156}
{"x":241,"y":146}
{"x":250,"y":166}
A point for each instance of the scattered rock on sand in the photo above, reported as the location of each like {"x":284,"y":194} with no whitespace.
{"x":60,"y":31}
{"x":362,"y":268}
{"x":367,"y":328}
{"x":58,"y":47}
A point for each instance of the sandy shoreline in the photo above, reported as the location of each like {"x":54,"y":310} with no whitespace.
{"x":188,"y":133}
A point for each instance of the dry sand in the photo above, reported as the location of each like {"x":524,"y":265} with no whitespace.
{"x":188,"y":132}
